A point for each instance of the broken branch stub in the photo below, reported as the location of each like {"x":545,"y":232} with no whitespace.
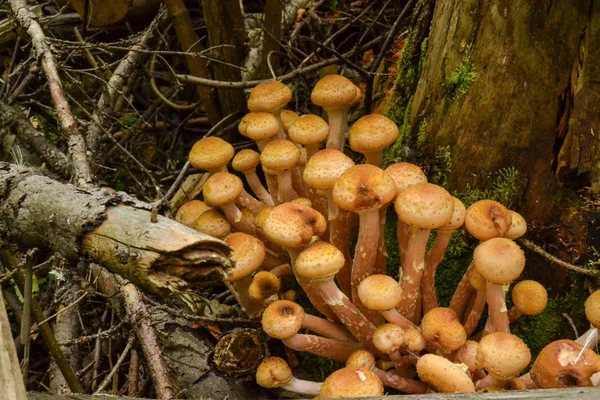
{"x":161,"y":258}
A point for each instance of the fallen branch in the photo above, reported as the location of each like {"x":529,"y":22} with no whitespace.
{"x":538,"y":250}
{"x":11,"y":381}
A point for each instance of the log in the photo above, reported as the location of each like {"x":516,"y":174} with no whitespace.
{"x":114,"y":231}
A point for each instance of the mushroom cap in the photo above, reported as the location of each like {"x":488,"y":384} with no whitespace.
{"x":413,"y":340}
{"x":210,"y":153}
{"x":351,"y":382}
{"x":273,"y":372}
{"x":325,"y":167}
{"x":320,"y":261}
{"x":486,"y":219}
{"x":189,"y":212}
{"x":287,"y":119}
{"x":443,"y":375}
{"x":592,"y":309}
{"x":555,"y":365}
{"x":259,"y":126}
{"x":518,"y":226}
{"x":530,"y":297}
{"x":425,"y":206}
{"x":405,"y":174}
{"x":245,"y":160}
{"x":371,"y":133}
{"x":264,"y":284}
{"x":467,"y":355}
{"x":388,"y":338}
{"x":212,"y":223}
{"x":248,"y":254}
{"x":269,"y":96}
{"x":293,"y":225}
{"x":440,"y":325}
{"x":363,"y":188}
{"x":282,"y":319}
{"x":279,"y":155}
{"x":458,"y":216}
{"x":476,"y":280}
{"x":361,"y":359}
{"x":379,"y":292}
{"x":333,"y":92}
{"x":499,"y":260}
{"x":308,"y":130}
{"x":503,"y":355}
{"x":221,"y":188}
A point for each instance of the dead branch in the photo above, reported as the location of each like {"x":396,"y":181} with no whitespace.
{"x":11,"y":381}
{"x":529,"y":245}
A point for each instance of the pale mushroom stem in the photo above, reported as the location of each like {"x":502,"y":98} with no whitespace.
{"x":303,"y":387}
{"x":338,"y":236}
{"x":462,"y":293}
{"x":403,"y":231}
{"x":324,"y":347}
{"x":311,"y":150}
{"x":281,"y":134}
{"x":257,"y":187}
{"x":298,"y":182}
{"x":327,"y":329}
{"x":282,"y":270}
{"x":474,"y":315}
{"x":397,"y":382}
{"x":338,"y":128}
{"x":375,"y":158}
{"x":394,"y":317}
{"x":245,"y":199}
{"x":236,"y":219}
{"x":365,"y":255}
{"x":412,"y":270}
{"x":285,"y":189}
{"x":496,"y":300}
{"x":432,"y":261}
{"x":381,"y":258}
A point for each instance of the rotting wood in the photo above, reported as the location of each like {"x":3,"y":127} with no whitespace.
{"x":11,"y":382}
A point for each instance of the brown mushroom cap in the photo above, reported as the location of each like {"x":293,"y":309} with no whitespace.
{"x":486,"y":219}
{"x":189,"y":212}
{"x":279,"y":155}
{"x":425,"y":206}
{"x":592,"y":309}
{"x":264,"y":284}
{"x":287,"y":119}
{"x":458,"y":216}
{"x":222,"y":188}
{"x":334,"y":91}
{"x":282,"y":319}
{"x":413,"y":340}
{"x":293,"y":225}
{"x":503,"y":355}
{"x":499,"y":260}
{"x":476,"y":280}
{"x":371,"y":133}
{"x":212,"y":223}
{"x":405,"y":174}
{"x":379,"y":292}
{"x":270,"y":96}
{"x":361,"y":359}
{"x":245,"y":160}
{"x":210,"y":153}
{"x":319,"y":261}
{"x":529,"y":297}
{"x":388,"y":338}
{"x":363,"y":188}
{"x":309,"y":129}
{"x":325,"y":167}
{"x":259,"y":126}
{"x":443,"y":375}
{"x":440,"y":325}
{"x":273,"y":372}
{"x":351,"y":382}
{"x":248,"y":254}
{"x":518,"y":226}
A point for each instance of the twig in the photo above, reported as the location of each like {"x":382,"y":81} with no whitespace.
{"x":101,"y":334}
{"x":26,"y":321}
{"x":11,"y":66}
{"x":537,"y":249}
{"x":11,"y":382}
{"x":133,"y":377}
{"x":108,"y":378}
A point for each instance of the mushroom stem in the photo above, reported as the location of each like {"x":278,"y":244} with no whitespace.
{"x":490,"y":383}
{"x":395,"y":381}
{"x":281,"y":134}
{"x":237,"y":220}
{"x":474,"y":315}
{"x":327,"y":328}
{"x":514,"y":314}
{"x":247,"y":200}
{"x":282,"y":270}
{"x":338,"y":236}
{"x":285,"y":189}
{"x":412,"y":270}
{"x":298,"y":182}
{"x":394,"y":317}
{"x":257,"y":187}
{"x":303,"y":387}
{"x":462,"y":293}
{"x":324,"y":347}
{"x":239,"y":290}
{"x":496,"y":300}
{"x":432,"y":261}
{"x":403,"y":231}
{"x":338,"y":128}
{"x":375,"y":158}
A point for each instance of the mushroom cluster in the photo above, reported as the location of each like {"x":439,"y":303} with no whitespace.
{"x":390,"y":331}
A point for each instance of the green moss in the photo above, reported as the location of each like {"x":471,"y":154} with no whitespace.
{"x":421,"y":134}
{"x":441,"y":166}
{"x":318,"y":367}
{"x":423,"y":57}
{"x":460,"y":80}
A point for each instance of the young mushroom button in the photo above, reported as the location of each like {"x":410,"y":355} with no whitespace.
{"x":280,"y":156}
{"x":222,"y":190}
{"x":246,"y":162}
{"x":211,"y":154}
{"x":275,"y":372}
{"x":351,"y":382}
{"x":370,"y":135}
{"x":261,"y":127}
{"x":270,"y":96}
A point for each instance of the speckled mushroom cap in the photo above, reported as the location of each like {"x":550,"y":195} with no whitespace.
{"x":245,"y":160}
{"x":212,"y":223}
{"x":379,"y":292}
{"x":264,"y":284}
{"x":287,"y":119}
{"x":351,"y":382}
{"x":388,"y":338}
{"x":440,"y":325}
{"x":363,"y":188}
{"x":413,"y":340}
{"x":503,"y":355}
{"x":443,"y":375}
{"x":476,"y":280}
{"x":361,"y":359}
{"x":259,"y":126}
{"x":304,"y":201}
{"x":273,"y":372}
{"x":458,"y":216}
{"x":592,"y":309}
{"x":405,"y":174}
{"x":269,"y":96}
{"x":221,"y":188}
{"x":499,"y":260}
{"x":309,"y":129}
{"x":425,"y":206}
{"x":529,"y":297}
{"x":320,"y":261}
{"x":282,"y":319}
{"x":293,"y":225}
{"x":248,"y":254}
{"x":279,"y":155}
{"x":467,"y":355}
{"x":333,"y":92}
{"x":210,"y":153}
{"x":189,"y":212}
{"x":486,"y":219}
{"x":325,"y":167}
{"x":371,"y":133}
{"x":518,"y":226}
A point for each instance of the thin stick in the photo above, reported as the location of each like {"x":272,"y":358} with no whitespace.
{"x":108,"y":378}
{"x":537,"y":249}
